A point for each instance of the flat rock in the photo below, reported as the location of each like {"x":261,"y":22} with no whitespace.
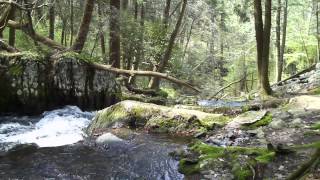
{"x":246,"y":118}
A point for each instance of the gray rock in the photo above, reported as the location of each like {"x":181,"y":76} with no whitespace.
{"x":296,"y":123}
{"x":277,"y":124}
{"x":108,"y":138}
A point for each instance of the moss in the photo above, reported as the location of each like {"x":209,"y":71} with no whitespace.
{"x":82,"y":57}
{"x":108,"y":116}
{"x":188,"y":168}
{"x":245,"y":108}
{"x":25,"y":55}
{"x":315,"y":91}
{"x":16,"y":70}
{"x":316,"y":126}
{"x":169,"y":92}
{"x":266,"y":120}
{"x":265,"y":158}
{"x":241,"y":172}
{"x":210,"y":122}
{"x":231,"y":155}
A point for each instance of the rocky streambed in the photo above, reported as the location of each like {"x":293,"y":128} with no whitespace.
{"x":272,"y":142}
{"x":131,"y":140}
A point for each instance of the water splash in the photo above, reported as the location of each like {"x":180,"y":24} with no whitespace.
{"x":56,"y":128}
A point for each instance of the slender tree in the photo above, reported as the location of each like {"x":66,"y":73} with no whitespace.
{"x":114,"y":33}
{"x":155,"y":82}
{"x":84,"y":26}
{"x":52,"y":18}
{"x":263,"y":32}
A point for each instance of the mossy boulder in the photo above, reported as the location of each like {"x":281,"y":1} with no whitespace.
{"x":155,"y":118}
{"x":32,"y":83}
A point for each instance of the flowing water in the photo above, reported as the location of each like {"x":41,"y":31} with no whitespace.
{"x":64,"y":152}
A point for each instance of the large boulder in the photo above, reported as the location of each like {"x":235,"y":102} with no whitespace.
{"x":154,"y":118}
{"x":31,"y":83}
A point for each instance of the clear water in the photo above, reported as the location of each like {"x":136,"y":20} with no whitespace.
{"x":65,"y":153}
{"x":221,"y":103}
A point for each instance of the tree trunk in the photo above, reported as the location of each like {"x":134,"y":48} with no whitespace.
{"x":188,"y":39}
{"x":84,"y":27}
{"x":115,"y":33}
{"x":155,"y":82}
{"x":71,"y":22}
{"x":63,"y":31}
{"x":318,"y":30}
{"x":8,"y":8}
{"x":52,"y":18}
{"x":263,"y":43}
{"x":278,"y":42}
{"x":101,"y":34}
{"x":166,"y":14}
{"x":12,"y":31}
{"x":284,"y":34}
{"x":139,"y":54}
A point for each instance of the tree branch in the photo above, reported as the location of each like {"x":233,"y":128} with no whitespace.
{"x":143,"y":73}
{"x":35,"y":36}
{"x":7,"y":47}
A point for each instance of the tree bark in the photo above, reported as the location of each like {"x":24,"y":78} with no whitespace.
{"x":278,"y":42}
{"x":114,"y":33}
{"x":166,"y":14}
{"x":4,"y":18}
{"x":84,"y":27}
{"x":284,"y":34}
{"x":12,"y":31}
{"x":101,"y":34}
{"x":155,"y":82}
{"x":71,"y":22}
{"x":52,"y":18}
{"x":263,"y":31}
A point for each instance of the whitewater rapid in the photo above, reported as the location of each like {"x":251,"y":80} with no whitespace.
{"x":55,"y":128}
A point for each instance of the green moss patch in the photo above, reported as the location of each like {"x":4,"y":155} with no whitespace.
{"x":82,"y":57}
{"x":211,"y":122}
{"x":238,"y":159}
{"x":315,"y":91}
{"x":266,"y":120}
{"x":316,"y":126}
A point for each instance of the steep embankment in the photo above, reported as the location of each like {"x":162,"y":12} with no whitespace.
{"x":31,"y":84}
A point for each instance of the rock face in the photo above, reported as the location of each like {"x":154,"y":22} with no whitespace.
{"x":155,"y":118}
{"x":31,"y":84}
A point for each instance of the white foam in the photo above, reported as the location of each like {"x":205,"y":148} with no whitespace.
{"x":57,"y":128}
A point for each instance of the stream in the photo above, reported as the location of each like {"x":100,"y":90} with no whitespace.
{"x":64,"y":151}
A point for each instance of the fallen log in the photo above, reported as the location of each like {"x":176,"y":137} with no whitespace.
{"x":143,"y":73}
{"x":226,"y":87}
{"x":312,"y":67}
